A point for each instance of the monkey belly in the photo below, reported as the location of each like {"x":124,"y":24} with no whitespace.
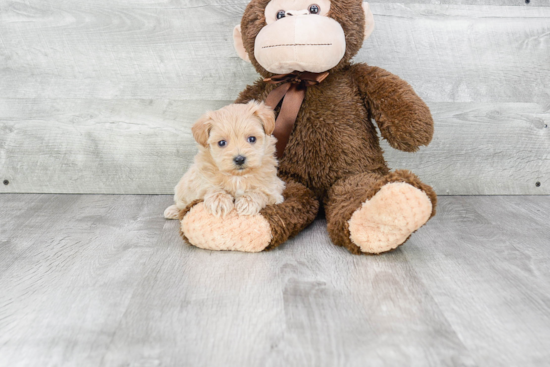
{"x":319,"y":170}
{"x":333,"y":138}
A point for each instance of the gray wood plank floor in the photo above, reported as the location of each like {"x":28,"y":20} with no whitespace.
{"x":105,"y":281}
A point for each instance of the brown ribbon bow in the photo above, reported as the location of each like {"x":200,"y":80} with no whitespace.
{"x":293,"y":90}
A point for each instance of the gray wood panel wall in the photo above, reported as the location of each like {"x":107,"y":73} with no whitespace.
{"x":98,"y":96}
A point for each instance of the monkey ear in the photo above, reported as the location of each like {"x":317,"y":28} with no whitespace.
{"x":369,"y":20}
{"x":201,"y":129}
{"x":238,"y":43}
{"x":266,"y":114}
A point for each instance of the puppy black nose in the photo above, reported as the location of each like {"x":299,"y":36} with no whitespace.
{"x":239,"y":160}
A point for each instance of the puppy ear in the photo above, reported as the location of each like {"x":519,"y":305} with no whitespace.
{"x":266,"y":114}
{"x":201,"y":129}
{"x":369,"y":20}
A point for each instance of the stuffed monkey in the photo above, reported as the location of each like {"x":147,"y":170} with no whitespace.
{"x":329,"y":151}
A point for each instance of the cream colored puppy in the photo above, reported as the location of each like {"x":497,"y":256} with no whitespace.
{"x":236,"y":166}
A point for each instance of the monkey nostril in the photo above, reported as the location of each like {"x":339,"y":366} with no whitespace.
{"x":239,"y":160}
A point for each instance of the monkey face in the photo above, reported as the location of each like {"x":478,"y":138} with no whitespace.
{"x":299,"y":37}
{"x":282,"y":36}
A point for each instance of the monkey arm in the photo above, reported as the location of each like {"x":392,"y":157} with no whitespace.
{"x":403,"y":118}
{"x":255,"y":91}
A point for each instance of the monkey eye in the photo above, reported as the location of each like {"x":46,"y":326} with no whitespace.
{"x":251,"y":139}
{"x":281,"y":14}
{"x":314,"y":9}
{"x":222,"y":143}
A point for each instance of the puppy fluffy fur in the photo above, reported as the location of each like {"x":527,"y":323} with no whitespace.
{"x":244,"y":131}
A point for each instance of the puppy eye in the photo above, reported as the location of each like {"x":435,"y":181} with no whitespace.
{"x":222,"y":143}
{"x":281,"y":14}
{"x":314,"y":9}
{"x":251,"y":139}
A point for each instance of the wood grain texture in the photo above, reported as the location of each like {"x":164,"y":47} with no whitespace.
{"x":20,"y":226}
{"x":98,"y":97}
{"x":468,"y":2}
{"x":295,"y":307}
{"x":449,"y":53}
{"x":464,"y":53}
{"x":527,"y":3}
{"x":97,"y":146}
{"x":144,"y":146}
{"x":483,"y":258}
{"x":484,"y":148}
{"x":113,"y":285}
{"x":73,"y":275}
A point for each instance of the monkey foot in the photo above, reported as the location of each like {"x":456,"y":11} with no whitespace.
{"x":250,"y":233}
{"x":387,"y":220}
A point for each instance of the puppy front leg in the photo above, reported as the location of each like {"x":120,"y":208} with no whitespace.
{"x":251,"y":203}
{"x":218,"y":202}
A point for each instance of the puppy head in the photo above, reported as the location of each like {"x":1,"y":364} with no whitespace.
{"x":236,"y":136}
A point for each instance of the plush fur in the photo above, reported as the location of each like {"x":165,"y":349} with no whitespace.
{"x":232,"y":232}
{"x":349,"y":13}
{"x":333,"y":155}
{"x":387,"y":219}
{"x":350,"y":193}
{"x":217,"y":178}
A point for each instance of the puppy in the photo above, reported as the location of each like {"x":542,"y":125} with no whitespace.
{"x":235,"y":167}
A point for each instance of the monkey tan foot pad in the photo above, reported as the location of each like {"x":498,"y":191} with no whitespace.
{"x":388,"y":219}
{"x":231,"y":233}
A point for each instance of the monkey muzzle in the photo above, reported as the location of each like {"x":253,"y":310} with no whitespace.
{"x":300,"y":43}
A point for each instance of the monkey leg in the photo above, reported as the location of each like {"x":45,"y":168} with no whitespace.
{"x":372,"y":213}
{"x":264,"y":231}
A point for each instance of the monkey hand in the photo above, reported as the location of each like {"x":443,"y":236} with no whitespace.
{"x":402,"y":116}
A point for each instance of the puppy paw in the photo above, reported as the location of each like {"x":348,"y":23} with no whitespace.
{"x":248,"y":205}
{"x":279,"y":199}
{"x":219,"y":204}
{"x":171,"y":212}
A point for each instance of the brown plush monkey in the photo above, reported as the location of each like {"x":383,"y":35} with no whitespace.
{"x":332,"y":157}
